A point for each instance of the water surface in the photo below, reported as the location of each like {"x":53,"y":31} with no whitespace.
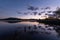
{"x":28,"y":31}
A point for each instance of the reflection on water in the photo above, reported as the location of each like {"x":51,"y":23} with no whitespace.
{"x":10,"y":21}
{"x":29,"y":31}
{"x":29,"y":23}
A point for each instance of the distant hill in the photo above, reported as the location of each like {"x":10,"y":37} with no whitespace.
{"x":11,"y":18}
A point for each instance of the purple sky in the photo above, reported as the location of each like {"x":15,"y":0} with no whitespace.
{"x":9,"y":8}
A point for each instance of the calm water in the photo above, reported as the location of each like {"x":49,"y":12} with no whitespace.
{"x":28,"y":31}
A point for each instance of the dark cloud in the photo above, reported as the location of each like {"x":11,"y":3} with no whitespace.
{"x":35,"y":13}
{"x":45,"y":8}
{"x":49,"y":11}
{"x":53,"y":11}
{"x":46,"y":14}
{"x":32,"y":8}
{"x":19,"y":12}
{"x":50,"y":15}
{"x":43,"y":12}
{"x":25,"y":13}
{"x":39,"y":14}
{"x":57,"y":11}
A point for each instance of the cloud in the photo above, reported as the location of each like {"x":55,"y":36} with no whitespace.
{"x":39,"y":14}
{"x":46,"y":14}
{"x":32,"y":8}
{"x":49,"y":11}
{"x":45,"y":8}
{"x":25,"y":13}
{"x":57,"y":11}
{"x":18,"y":12}
{"x":35,"y":13}
{"x":43,"y":12}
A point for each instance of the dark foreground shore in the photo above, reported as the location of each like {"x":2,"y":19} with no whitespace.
{"x":50,"y":21}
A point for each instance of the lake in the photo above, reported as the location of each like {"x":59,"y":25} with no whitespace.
{"x":26,"y":30}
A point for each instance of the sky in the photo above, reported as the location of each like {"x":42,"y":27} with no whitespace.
{"x":9,"y":8}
